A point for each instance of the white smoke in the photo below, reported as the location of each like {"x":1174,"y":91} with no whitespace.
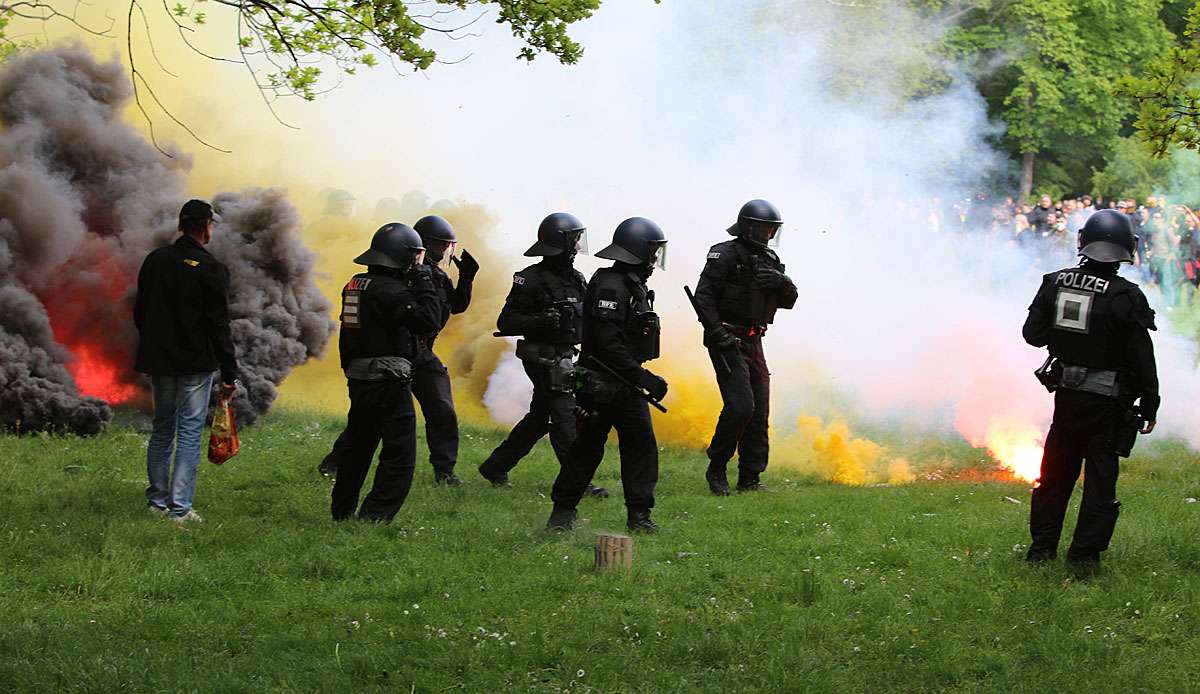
{"x":681,"y":112}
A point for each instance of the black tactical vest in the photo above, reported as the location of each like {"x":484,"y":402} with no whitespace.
{"x":370,"y":327}
{"x":743,"y":302}
{"x":1090,"y":317}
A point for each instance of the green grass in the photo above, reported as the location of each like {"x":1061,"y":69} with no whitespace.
{"x":812,"y":587}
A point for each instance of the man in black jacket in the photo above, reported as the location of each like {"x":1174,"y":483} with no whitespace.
{"x":1096,"y":325}
{"x":545,"y":306}
{"x":182,"y":317}
{"x":742,"y":285}
{"x":620,"y":332}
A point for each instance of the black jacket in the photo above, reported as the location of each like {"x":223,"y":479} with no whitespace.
{"x":536,"y":289}
{"x":620,"y":327}
{"x":383,"y":313}
{"x":451,"y":299}
{"x":182,"y":313}
{"x":1093,"y":317}
{"x":728,"y":291}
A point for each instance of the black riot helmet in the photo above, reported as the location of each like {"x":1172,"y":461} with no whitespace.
{"x":434,"y":228}
{"x":758,"y":221}
{"x":1107,"y":237}
{"x":560,"y":232}
{"x":637,"y":241}
{"x":394,"y":245}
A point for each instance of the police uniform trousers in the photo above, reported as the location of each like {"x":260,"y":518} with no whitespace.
{"x":431,"y":388}
{"x":630,"y":416}
{"x":379,"y":411}
{"x":746,"y":393}
{"x":549,"y":413}
{"x":1082,"y":434}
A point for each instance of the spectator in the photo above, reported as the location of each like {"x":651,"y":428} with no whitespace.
{"x":1088,"y":207}
{"x":182,"y":316}
{"x":1039,"y":215}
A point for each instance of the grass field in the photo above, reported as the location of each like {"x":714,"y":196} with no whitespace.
{"x":812,"y":587}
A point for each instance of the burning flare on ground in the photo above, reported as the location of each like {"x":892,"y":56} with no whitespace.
{"x":1016,"y":446}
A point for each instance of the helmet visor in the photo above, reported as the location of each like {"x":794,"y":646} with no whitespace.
{"x":658,"y":255}
{"x":445,"y":248}
{"x":764,"y":233}
{"x":576,"y":239}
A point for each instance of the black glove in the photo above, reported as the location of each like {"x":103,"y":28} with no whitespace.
{"x":770,"y":278}
{"x":421,"y":273}
{"x":720,"y":338}
{"x":468,"y":267}
{"x":654,"y":385}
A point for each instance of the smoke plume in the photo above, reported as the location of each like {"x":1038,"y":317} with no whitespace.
{"x":83,"y":199}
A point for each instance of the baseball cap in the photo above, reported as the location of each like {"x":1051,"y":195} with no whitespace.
{"x":197,"y":209}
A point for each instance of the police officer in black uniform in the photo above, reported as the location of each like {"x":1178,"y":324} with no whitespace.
{"x":742,"y":285}
{"x":545,"y":306}
{"x":620,"y":332}
{"x":1096,"y":325}
{"x":430,"y":379}
{"x":383,"y":311}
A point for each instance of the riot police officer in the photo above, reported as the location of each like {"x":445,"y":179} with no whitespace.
{"x":1096,"y":325}
{"x":544,"y":306}
{"x":620,"y":333}
{"x":383,"y":311}
{"x":430,"y":378}
{"x":742,"y":285}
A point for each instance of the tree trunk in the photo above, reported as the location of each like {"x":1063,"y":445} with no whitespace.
{"x":1026,"y":176}
{"x":614,"y":552}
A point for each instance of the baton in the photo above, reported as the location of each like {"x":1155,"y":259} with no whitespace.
{"x":700,"y":316}
{"x":625,"y":382}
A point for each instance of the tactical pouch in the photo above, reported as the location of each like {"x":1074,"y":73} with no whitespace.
{"x":646,"y":332}
{"x":1098,"y":381}
{"x":1050,"y":374}
{"x":379,"y":369}
{"x":1131,"y":423}
{"x":562,"y":375}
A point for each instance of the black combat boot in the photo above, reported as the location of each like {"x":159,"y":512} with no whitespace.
{"x":598,"y":492}
{"x":1037,"y":555}
{"x":562,"y":519}
{"x":499,"y":481}
{"x":718,"y":482}
{"x":748,"y":483}
{"x":448,"y":479}
{"x":639,"y":521}
{"x":328,"y":467}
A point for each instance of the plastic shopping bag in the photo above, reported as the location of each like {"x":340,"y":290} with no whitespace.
{"x":223,"y":442}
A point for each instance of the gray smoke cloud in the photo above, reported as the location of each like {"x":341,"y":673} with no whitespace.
{"x":83,"y":199}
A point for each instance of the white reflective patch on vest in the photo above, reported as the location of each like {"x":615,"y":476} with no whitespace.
{"x":713,"y":255}
{"x":518,"y":280}
{"x":350,"y":307}
{"x":605,"y":303}
{"x":1072,"y":310}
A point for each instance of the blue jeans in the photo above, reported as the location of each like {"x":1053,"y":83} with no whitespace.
{"x":180,"y":408}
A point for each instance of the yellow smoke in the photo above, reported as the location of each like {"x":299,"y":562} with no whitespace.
{"x":220,"y":103}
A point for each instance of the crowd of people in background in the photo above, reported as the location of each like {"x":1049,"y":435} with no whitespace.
{"x":1168,"y":249}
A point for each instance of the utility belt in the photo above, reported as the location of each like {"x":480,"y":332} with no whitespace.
{"x":558,"y":360}
{"x":379,"y":369}
{"x":1055,"y":375}
{"x":746,"y":332}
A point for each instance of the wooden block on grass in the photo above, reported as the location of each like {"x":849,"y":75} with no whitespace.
{"x":614,"y":551}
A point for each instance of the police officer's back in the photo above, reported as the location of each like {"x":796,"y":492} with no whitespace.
{"x":383,"y":312}
{"x":1096,"y":325}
